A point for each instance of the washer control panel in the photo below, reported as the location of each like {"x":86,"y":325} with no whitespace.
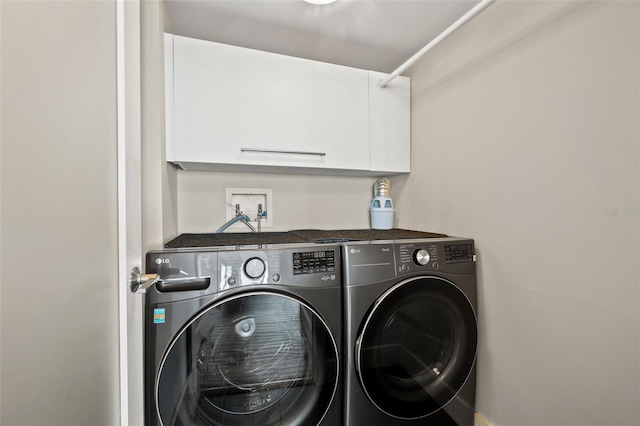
{"x":310,"y":265}
{"x":185,"y":273}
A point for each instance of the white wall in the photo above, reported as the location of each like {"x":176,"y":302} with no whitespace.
{"x":59,"y":308}
{"x":526,"y":137}
{"x":299,"y":201}
{"x":159,"y":179}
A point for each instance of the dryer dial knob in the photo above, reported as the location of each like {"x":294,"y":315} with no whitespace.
{"x":254,"y":267}
{"x":421,"y":257}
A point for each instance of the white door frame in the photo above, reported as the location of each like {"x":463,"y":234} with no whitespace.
{"x":129,"y":209}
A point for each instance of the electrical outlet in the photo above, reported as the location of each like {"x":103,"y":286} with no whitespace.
{"x":249,"y":199}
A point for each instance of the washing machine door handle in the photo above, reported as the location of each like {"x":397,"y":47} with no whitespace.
{"x":357,"y":353}
{"x":183,"y":284}
{"x":140,"y":283}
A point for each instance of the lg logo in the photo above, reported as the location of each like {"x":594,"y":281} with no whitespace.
{"x":160,"y":261}
{"x":354,"y":251}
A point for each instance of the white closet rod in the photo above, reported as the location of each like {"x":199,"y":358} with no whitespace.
{"x":446,"y":33}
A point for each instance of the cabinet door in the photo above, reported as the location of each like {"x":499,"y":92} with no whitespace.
{"x":246,"y":107}
{"x":390,"y":124}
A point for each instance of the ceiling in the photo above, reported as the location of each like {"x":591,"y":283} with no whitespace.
{"x":377,"y":35}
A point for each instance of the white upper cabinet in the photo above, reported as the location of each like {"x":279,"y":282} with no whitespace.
{"x":237,"y":109}
{"x":389,"y":124}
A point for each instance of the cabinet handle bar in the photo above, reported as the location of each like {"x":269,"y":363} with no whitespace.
{"x":278,"y":151}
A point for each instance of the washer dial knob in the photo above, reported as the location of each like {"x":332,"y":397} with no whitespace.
{"x":254,"y":267}
{"x":421,"y":257}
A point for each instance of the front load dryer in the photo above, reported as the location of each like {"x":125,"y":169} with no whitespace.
{"x":410,"y":332}
{"x":247,"y":336}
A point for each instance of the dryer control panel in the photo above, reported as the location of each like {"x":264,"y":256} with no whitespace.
{"x":454,"y":253}
{"x":373,"y":261}
{"x":435,"y":255}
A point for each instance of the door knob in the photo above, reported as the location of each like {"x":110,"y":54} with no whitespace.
{"x":141,"y":282}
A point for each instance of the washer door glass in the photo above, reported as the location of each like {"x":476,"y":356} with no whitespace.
{"x":417,"y":347}
{"x":256,"y":358}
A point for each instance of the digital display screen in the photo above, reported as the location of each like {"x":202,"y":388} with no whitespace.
{"x":458,"y":253}
{"x":313,"y":262}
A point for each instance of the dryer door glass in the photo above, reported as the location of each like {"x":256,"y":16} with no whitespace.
{"x":256,"y":358}
{"x":417,"y":347}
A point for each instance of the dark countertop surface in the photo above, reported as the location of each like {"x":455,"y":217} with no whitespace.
{"x":295,"y":236}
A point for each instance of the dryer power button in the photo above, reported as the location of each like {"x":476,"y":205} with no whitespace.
{"x":421,"y":257}
{"x":254,"y":268}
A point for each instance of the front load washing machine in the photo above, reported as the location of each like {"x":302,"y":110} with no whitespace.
{"x":410,"y":332}
{"x":237,"y":337}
